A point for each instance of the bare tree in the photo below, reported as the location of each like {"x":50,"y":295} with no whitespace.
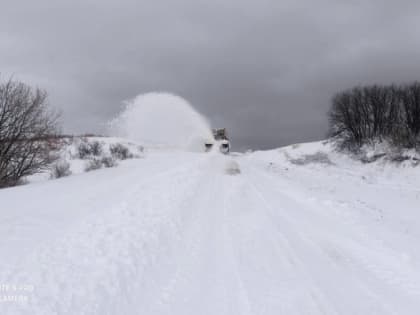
{"x":410,"y":97}
{"x":26,"y":127}
{"x":371,"y":113}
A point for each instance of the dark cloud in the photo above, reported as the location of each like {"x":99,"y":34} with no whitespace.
{"x":264,"y":69}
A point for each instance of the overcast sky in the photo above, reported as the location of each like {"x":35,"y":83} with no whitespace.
{"x":265,"y":69}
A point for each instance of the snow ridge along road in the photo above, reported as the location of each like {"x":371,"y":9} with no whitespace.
{"x":174,"y":234}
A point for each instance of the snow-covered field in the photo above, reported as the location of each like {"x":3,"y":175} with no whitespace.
{"x":298,"y":230}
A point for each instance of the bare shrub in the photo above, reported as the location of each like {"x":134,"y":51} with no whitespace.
{"x":96,"y":148}
{"x":109,"y":161}
{"x":83,"y":149}
{"x":88,"y":149}
{"x":60,"y":169}
{"x":26,"y":128}
{"x":120,"y":151}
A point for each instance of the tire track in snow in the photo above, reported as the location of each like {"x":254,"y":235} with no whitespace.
{"x":97,"y":268}
{"x":244,"y":296}
{"x":209,"y":283}
{"x":318,"y":232}
{"x":273,"y":273}
{"x":361,"y":246}
{"x":206,"y":279}
{"x":170,"y":293}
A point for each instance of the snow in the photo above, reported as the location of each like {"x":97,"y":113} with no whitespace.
{"x":159,"y":118}
{"x":298,"y":230}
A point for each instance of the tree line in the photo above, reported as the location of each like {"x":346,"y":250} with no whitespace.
{"x":364,"y":114}
{"x":378,"y":112}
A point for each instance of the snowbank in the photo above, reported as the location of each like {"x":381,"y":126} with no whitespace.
{"x":80,"y":154}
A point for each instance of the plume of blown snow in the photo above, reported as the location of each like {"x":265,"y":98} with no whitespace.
{"x":162,"y":119}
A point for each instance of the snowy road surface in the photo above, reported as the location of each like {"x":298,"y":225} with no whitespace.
{"x":174,"y":234}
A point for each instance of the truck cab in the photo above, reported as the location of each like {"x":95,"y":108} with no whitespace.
{"x":221,"y":140}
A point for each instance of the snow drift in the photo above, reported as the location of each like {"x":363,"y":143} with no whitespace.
{"x":162,"y":119}
{"x":303,"y":230}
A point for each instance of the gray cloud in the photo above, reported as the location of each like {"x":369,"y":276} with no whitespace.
{"x":264,"y":69}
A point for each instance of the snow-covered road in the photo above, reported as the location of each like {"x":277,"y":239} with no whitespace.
{"x":174,"y":234}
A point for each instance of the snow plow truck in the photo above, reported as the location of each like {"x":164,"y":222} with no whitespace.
{"x":220,"y":139}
